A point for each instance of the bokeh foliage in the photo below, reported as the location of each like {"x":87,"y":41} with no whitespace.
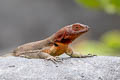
{"x":109,"y":6}
{"x":108,"y":45}
{"x":112,"y":39}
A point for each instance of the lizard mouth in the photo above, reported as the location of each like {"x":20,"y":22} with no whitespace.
{"x":86,"y":29}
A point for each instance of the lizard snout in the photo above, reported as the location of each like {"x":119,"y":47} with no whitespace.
{"x":87,"y":27}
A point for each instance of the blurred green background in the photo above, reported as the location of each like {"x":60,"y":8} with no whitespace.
{"x":109,"y":43}
{"x":109,"y":6}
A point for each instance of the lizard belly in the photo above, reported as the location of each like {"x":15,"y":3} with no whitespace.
{"x":56,"y":50}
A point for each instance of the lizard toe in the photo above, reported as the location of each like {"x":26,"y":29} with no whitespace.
{"x":54,"y":59}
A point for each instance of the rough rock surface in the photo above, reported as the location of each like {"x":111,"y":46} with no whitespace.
{"x":95,"y":68}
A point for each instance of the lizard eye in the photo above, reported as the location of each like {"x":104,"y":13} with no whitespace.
{"x":77,"y":27}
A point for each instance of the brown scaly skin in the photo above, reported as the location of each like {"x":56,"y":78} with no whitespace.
{"x":55,"y":45}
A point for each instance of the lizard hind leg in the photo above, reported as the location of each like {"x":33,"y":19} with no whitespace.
{"x":38,"y":54}
{"x":28,"y":54}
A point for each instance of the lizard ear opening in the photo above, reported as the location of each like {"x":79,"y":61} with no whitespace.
{"x":56,"y":44}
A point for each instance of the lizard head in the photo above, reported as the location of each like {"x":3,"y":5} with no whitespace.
{"x":70,"y":32}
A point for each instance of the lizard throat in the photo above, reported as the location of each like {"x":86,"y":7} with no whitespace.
{"x":66,"y":41}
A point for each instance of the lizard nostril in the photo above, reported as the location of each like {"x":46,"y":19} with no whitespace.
{"x":87,"y":27}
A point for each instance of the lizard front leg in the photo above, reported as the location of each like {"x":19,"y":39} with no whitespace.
{"x":36,"y":54}
{"x":70,"y":52}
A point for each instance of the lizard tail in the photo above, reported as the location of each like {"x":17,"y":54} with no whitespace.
{"x":6,"y":55}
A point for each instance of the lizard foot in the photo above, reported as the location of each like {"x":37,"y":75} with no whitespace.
{"x":24,"y":56}
{"x":92,"y":55}
{"x":89,"y":55}
{"x":54,"y":59}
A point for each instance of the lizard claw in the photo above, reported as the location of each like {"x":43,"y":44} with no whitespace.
{"x":59,"y":59}
{"x":54,"y":59}
{"x":91,"y":55}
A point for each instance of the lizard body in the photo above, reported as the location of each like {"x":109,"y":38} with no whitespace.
{"x":54,"y":45}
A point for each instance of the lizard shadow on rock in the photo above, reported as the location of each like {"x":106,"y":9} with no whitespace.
{"x":66,"y":58}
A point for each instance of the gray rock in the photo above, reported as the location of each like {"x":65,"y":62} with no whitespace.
{"x":95,"y":68}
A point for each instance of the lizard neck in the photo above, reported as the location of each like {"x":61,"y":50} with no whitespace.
{"x":50,"y":39}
